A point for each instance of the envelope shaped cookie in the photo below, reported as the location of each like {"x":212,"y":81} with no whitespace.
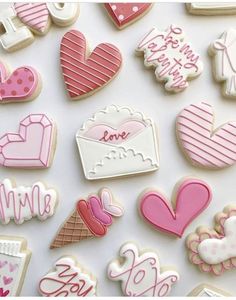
{"x":117,"y":141}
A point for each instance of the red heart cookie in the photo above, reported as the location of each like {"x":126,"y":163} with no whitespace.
{"x":123,"y":14}
{"x":84,"y":75}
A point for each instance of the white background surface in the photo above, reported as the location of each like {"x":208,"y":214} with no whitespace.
{"x":135,"y":86}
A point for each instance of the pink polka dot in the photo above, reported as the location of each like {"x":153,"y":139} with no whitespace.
{"x":26,"y":89}
{"x":15,"y":73}
{"x":2,"y":92}
{"x":9,"y":81}
{"x":31,"y":78}
{"x":19,"y":81}
{"x":13,"y":93}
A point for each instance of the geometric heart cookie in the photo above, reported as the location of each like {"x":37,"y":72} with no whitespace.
{"x":214,"y":250}
{"x":14,"y":260}
{"x":140,"y":273}
{"x":90,"y":218}
{"x":117,"y":141}
{"x":32,"y":147}
{"x":67,"y":279}
{"x":204,"y":145}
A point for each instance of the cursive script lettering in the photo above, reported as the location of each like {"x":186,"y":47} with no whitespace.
{"x":108,"y":137}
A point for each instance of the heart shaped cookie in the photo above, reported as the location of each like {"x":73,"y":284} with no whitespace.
{"x":204,"y":146}
{"x":84,"y":74}
{"x":192,"y":197}
{"x":23,"y":84}
{"x":32,"y":147}
{"x":124,"y":14}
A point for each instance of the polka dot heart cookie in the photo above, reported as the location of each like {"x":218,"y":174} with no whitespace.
{"x":23,"y":84}
{"x":124,"y":14}
{"x":214,"y":250}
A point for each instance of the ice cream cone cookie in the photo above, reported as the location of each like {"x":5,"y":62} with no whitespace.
{"x":174,"y":59}
{"x":32,"y":147}
{"x":203,"y":145}
{"x":214,"y":250}
{"x":67,"y":279}
{"x":192,"y":197}
{"x":124,"y":14}
{"x":207,"y":290}
{"x":22,"y":84}
{"x":14,"y":260}
{"x":20,"y":203}
{"x":85,"y":73}
{"x":90,"y":219}
{"x":140,"y":273}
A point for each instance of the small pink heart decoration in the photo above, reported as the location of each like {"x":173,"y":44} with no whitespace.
{"x":32,"y":146}
{"x":7,"y":280}
{"x":192,"y":197}
{"x":2,"y":264}
{"x":108,"y":206}
{"x":4,"y":293}
{"x":12,"y":267}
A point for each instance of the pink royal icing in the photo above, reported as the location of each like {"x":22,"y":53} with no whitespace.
{"x":84,"y":75}
{"x":98,"y":211}
{"x":34,"y":15}
{"x":32,"y":147}
{"x":125,"y":13}
{"x":192,"y":197}
{"x":19,"y":85}
{"x":205,"y":147}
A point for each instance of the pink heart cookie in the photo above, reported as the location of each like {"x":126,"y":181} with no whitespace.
{"x":32,"y":147}
{"x":123,"y":14}
{"x":34,"y":15}
{"x":202,"y":145}
{"x":23,"y":84}
{"x":192,"y":197}
{"x":83,"y":74}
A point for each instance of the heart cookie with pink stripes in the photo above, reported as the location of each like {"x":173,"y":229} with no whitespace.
{"x":124,"y":14}
{"x":83,"y":75}
{"x":23,"y":84}
{"x":204,"y":146}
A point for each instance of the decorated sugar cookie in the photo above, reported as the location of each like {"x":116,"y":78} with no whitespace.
{"x":140,"y":273}
{"x":211,"y":8}
{"x":23,"y":84}
{"x":21,"y":20}
{"x":224,"y":63}
{"x":207,"y":290}
{"x":203,"y":145}
{"x":214,"y":250}
{"x":173,"y":58}
{"x":20,"y":203}
{"x":192,"y":196}
{"x":113,"y":143}
{"x":124,"y":14}
{"x":90,"y":218}
{"x":67,"y":279}
{"x":86,"y":73}
{"x":14,"y":260}
{"x":32,"y":147}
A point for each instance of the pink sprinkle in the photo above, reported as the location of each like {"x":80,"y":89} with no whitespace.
{"x":19,"y":81}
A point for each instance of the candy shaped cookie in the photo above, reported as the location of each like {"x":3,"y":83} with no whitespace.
{"x":192,"y":197}
{"x":207,"y":290}
{"x":14,"y":260}
{"x":224,"y":63}
{"x":203,"y":145}
{"x":20,"y":203}
{"x":124,"y":14}
{"x":214,"y":250}
{"x":32,"y":147}
{"x":89,"y":219}
{"x":22,"y":84}
{"x":140,"y":273}
{"x":114,"y":143}
{"x":85,"y":73}
{"x":21,"y":20}
{"x":67,"y":279}
{"x":174,"y":60}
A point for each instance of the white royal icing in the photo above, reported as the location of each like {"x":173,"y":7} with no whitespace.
{"x":208,"y":293}
{"x":212,"y":8}
{"x":173,"y":58}
{"x":128,"y":147}
{"x":215,"y":251}
{"x":224,"y":59}
{"x":68,"y":280}
{"x":22,"y":203}
{"x":14,"y":35}
{"x":63,"y":13}
{"x":140,"y":274}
